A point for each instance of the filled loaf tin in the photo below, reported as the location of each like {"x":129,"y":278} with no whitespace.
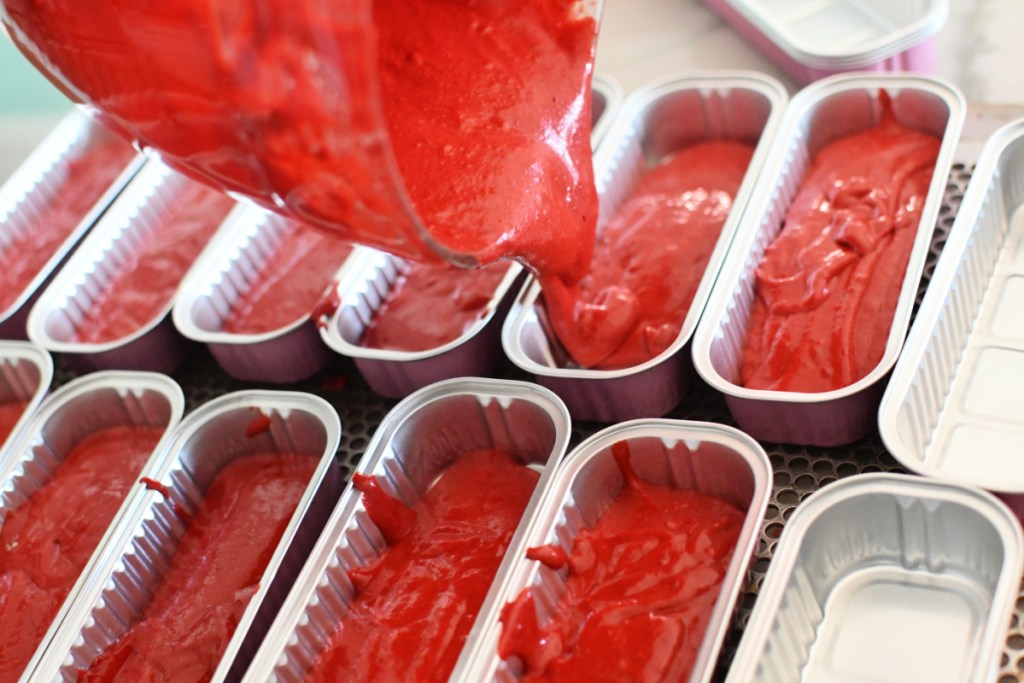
{"x":418,"y":440}
{"x":369,"y":279}
{"x":150,"y":203}
{"x":952,"y":408}
{"x":225,"y":431}
{"x":25,"y":375}
{"x":654,"y":123}
{"x":823,"y":112}
{"x":713,"y":460}
{"x":812,"y":40}
{"x":231,"y":266}
{"x":48,"y":190}
{"x":79,"y":409}
{"x":886,"y":578}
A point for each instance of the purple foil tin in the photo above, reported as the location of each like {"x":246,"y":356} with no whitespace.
{"x":654,"y":122}
{"x":25,"y":375}
{"x":229,"y":266}
{"x":812,"y":40}
{"x":884,"y":577}
{"x":34,"y":185}
{"x":368,"y":278}
{"x":952,"y":409}
{"x":713,"y":460}
{"x":418,"y":439}
{"x":78,"y":409}
{"x":834,"y":108}
{"x":115,"y":240}
{"x":210,"y":438}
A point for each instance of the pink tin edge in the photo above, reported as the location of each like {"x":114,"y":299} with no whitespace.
{"x":850,"y":413}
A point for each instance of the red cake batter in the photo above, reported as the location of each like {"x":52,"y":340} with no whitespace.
{"x":430,"y":306}
{"x":641,"y":586}
{"x":213,"y":574}
{"x":828,"y":285}
{"x":649,"y":259}
{"x":47,"y":541}
{"x":89,"y":175}
{"x":145,"y":284}
{"x":290,"y":285}
{"x":416,"y":603}
{"x":487,"y":106}
{"x":10,"y":413}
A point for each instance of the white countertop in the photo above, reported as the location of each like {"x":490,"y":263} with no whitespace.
{"x":979,"y":49}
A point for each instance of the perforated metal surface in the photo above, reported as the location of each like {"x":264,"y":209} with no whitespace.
{"x":799,"y":470}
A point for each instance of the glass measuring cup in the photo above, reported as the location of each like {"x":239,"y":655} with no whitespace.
{"x":459,"y":136}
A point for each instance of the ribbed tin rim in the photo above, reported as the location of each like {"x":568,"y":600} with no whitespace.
{"x":792,"y":128}
{"x":604,"y":161}
{"x":785,"y":555}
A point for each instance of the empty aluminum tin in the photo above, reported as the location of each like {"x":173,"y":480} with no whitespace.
{"x":952,"y":408}
{"x":886,"y":578}
{"x":32,"y":186}
{"x":654,"y":122}
{"x":134,"y":216}
{"x":210,"y":438}
{"x":86,"y":405}
{"x":711,"y":459}
{"x":229,"y":267}
{"x":368,"y":279}
{"x":605,"y":100}
{"x":812,"y":40}
{"x":25,"y":375}
{"x":417,"y":440}
{"x":833,"y":108}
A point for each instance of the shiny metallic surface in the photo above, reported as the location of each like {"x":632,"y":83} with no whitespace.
{"x":412,"y":446}
{"x":710,"y":459}
{"x":653,"y":123}
{"x":832,"y":108}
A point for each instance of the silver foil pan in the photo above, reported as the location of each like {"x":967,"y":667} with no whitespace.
{"x":812,"y":40}
{"x":833,"y":108}
{"x":714,"y":460}
{"x":886,"y":578}
{"x":210,"y":438}
{"x":133,"y":216}
{"x":32,"y":186}
{"x":369,"y":277}
{"x":417,"y":440}
{"x":229,"y":266}
{"x":660,"y":119}
{"x":25,"y":375}
{"x":605,"y":100}
{"x":78,"y":409}
{"x":953,"y":406}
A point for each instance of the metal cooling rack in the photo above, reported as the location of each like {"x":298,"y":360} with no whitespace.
{"x":798,"y":470}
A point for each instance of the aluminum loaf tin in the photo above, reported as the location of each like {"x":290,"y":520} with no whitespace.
{"x":416,"y":441}
{"x":228,"y":267}
{"x":605,"y":100}
{"x":886,"y":577}
{"x":812,"y":40}
{"x":656,"y":121}
{"x":118,"y":235}
{"x":32,"y":186}
{"x":371,"y":274}
{"x":710,"y":459}
{"x":821,"y":113}
{"x":369,"y":277}
{"x":25,"y":375}
{"x":86,"y":405}
{"x":210,"y":438}
{"x":953,"y":406}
